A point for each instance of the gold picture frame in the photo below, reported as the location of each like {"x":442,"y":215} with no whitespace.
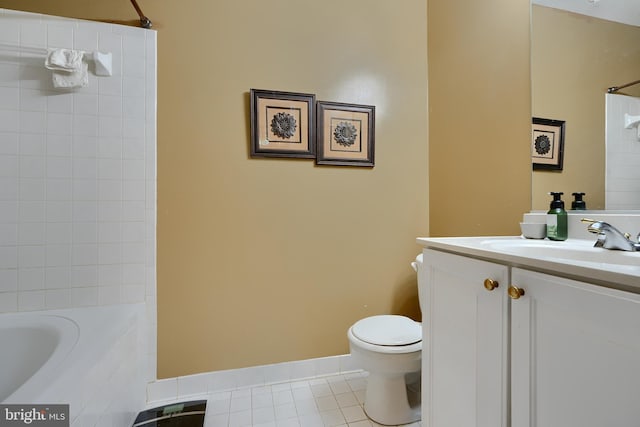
{"x":282,"y":124}
{"x":346,"y":134}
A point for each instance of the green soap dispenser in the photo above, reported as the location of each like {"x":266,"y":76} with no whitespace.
{"x":578,"y":204}
{"x":557,"y":218}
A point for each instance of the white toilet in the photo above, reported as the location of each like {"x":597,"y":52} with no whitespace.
{"x":389,"y":347}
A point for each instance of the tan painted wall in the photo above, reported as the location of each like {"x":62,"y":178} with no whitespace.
{"x":575,"y":59}
{"x":263,"y":261}
{"x":479,"y":116}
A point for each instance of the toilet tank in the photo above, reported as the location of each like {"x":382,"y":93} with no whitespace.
{"x":417,"y":266}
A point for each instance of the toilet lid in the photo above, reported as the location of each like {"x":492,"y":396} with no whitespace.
{"x":387,"y":330}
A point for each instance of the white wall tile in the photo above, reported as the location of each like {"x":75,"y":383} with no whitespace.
{"x":32,"y":166}
{"x":8,"y":280}
{"x":85,"y":104}
{"x":84,"y":254}
{"x":85,"y":125}
{"x":9,"y":74}
{"x":109,"y":148}
{"x":8,"y":302}
{"x":59,"y":167}
{"x":59,"y":145}
{"x":8,"y":234}
{"x":61,"y":190}
{"x":10,"y":31}
{"x":58,"y":255}
{"x":108,"y":295}
{"x":33,"y":100}
{"x":30,"y":279}
{"x":8,"y":143}
{"x":31,"y":233}
{"x":60,"y":102}
{"x":9,"y":97}
{"x":85,"y":146}
{"x":50,"y":198}
{"x":60,"y":124}
{"x":8,"y":189}
{"x":85,"y":37}
{"x":31,"y":211}
{"x":31,"y":189}
{"x":162,"y":390}
{"x":58,"y":211}
{"x":57,"y":299}
{"x":9,"y":121}
{"x":33,"y":34}
{"x":192,"y":384}
{"x":84,"y":297}
{"x":110,"y":275}
{"x":32,"y":122}
{"x":9,"y":208}
{"x":31,"y":256}
{"x":32,"y":144}
{"x":31,"y":300}
{"x":9,"y":166}
{"x":60,"y":36}
{"x":57,"y":278}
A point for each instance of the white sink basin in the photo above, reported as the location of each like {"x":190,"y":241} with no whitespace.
{"x":570,"y":251}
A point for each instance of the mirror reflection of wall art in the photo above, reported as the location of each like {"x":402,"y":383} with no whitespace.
{"x":547,"y":144}
{"x":282,"y":124}
{"x":346,"y":134}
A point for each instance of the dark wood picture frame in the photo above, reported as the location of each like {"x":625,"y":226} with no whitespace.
{"x":346,"y":134}
{"x":282,"y":124}
{"x":547,"y":144}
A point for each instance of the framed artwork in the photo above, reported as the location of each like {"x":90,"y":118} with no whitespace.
{"x":282,"y":124}
{"x":547,"y":144}
{"x":346,"y":134}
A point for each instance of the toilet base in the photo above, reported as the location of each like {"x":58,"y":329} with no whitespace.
{"x":393,"y":400}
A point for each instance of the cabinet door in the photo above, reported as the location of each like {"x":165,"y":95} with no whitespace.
{"x":464,"y":364}
{"x":575,"y":354}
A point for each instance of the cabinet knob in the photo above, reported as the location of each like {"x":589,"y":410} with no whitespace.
{"x":490,"y":284}
{"x":515,"y":292}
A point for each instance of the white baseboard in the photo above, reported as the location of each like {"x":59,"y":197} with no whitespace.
{"x":217,"y":381}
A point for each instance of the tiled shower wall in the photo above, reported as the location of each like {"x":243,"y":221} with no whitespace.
{"x":622,"y":183}
{"x":77,"y":169}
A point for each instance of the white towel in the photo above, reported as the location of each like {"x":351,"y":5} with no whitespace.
{"x":71,"y":79}
{"x":64,"y":59}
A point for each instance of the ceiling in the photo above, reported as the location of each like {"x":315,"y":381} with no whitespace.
{"x":624,"y":11}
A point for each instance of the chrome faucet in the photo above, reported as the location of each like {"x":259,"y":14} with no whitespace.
{"x":610,"y":237}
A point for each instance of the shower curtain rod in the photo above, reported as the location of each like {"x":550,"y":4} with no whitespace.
{"x":144,"y":21}
{"x":614,"y":89}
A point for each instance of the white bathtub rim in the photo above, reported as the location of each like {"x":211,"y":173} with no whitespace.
{"x":88,"y":349}
{"x":65,"y":329}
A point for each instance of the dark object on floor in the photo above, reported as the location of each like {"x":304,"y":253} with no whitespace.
{"x":185,"y":414}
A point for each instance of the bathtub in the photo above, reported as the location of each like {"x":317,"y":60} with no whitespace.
{"x":93,"y":359}
{"x":34,"y":346}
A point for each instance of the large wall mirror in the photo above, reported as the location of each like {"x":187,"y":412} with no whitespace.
{"x":577,"y":55}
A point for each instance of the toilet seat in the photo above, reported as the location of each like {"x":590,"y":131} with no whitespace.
{"x":388,"y":330}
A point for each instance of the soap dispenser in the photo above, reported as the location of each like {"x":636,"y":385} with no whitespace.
{"x":557,"y":218}
{"x":578,"y":204}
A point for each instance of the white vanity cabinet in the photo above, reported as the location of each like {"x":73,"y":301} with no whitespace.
{"x":535,"y":351}
{"x":465,"y":342}
{"x":575,"y":354}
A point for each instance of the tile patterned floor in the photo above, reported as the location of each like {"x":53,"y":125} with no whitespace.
{"x":323,"y":402}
